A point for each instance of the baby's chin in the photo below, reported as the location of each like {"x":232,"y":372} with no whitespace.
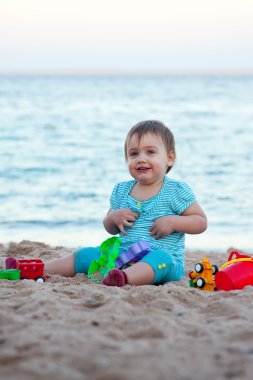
{"x":146,"y":181}
{"x":145,"y":178}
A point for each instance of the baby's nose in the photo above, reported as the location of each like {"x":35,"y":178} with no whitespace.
{"x":141,"y":157}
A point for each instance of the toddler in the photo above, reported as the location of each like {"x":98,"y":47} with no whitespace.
{"x":151,"y":207}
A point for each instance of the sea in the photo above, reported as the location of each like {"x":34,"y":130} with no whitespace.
{"x":61,"y":152}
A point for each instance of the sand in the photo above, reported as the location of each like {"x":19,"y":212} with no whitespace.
{"x":71,"y":328}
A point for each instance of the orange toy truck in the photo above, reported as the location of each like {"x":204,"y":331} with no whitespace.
{"x":203,"y":276}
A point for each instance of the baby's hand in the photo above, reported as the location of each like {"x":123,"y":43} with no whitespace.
{"x":123,"y":218}
{"x":162,"y":227}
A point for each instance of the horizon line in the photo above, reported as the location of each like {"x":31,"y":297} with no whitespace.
{"x":125,"y":72}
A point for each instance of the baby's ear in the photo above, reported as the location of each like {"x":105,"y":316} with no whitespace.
{"x":171,"y":157}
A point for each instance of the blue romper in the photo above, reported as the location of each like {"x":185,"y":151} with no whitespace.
{"x":168,"y":253}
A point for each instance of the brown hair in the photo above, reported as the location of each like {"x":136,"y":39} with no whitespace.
{"x":154,"y":127}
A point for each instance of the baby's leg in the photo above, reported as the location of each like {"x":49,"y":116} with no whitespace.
{"x":77,"y":262}
{"x":140,"y":274}
{"x":157,"y":267}
{"x":164,"y":265}
{"x":64,"y":266}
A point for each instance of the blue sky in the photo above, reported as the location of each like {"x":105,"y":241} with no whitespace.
{"x":133,"y":35}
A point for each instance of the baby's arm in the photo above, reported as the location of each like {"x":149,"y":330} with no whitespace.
{"x":192,"y":221}
{"x":116,"y":220}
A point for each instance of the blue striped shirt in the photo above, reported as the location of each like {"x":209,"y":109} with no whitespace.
{"x":173,"y":198}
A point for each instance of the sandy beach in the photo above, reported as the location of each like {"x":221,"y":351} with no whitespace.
{"x":71,"y":328}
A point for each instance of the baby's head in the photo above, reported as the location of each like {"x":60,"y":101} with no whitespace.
{"x":156,"y":128}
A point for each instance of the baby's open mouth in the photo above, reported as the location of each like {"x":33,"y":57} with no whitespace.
{"x":142,"y":169}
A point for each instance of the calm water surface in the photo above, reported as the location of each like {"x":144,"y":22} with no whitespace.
{"x":61,"y":152}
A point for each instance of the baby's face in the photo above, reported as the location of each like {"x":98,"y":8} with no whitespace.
{"x":148,"y":159}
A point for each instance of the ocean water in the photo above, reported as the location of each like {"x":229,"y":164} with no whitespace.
{"x":61,"y":152}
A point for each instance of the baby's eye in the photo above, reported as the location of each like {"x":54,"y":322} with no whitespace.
{"x":132,"y":154}
{"x":150,"y":152}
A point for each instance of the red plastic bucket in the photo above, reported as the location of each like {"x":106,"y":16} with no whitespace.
{"x":236,"y":275}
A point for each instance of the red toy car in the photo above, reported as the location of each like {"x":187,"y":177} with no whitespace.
{"x":31,"y":269}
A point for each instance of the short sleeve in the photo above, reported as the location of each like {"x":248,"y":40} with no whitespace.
{"x":182,"y":198}
{"x":114,"y":200}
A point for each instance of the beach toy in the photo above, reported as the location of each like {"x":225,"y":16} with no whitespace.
{"x":26,"y":269}
{"x":10,"y":263}
{"x":236,"y":273}
{"x":32,"y":269}
{"x":10,"y":274}
{"x":135,"y":253}
{"x":110,"y":257}
{"x":109,"y":252}
{"x":203,"y":276}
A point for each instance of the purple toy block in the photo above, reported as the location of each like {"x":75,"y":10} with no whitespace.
{"x":135,"y":253}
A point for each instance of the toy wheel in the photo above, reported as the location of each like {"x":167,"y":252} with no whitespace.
{"x":215,"y":269}
{"x":24,"y":278}
{"x":199,"y":268}
{"x":40,"y":279}
{"x":200,"y":283}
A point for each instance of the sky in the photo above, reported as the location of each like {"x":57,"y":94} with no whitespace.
{"x":126,"y":36}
